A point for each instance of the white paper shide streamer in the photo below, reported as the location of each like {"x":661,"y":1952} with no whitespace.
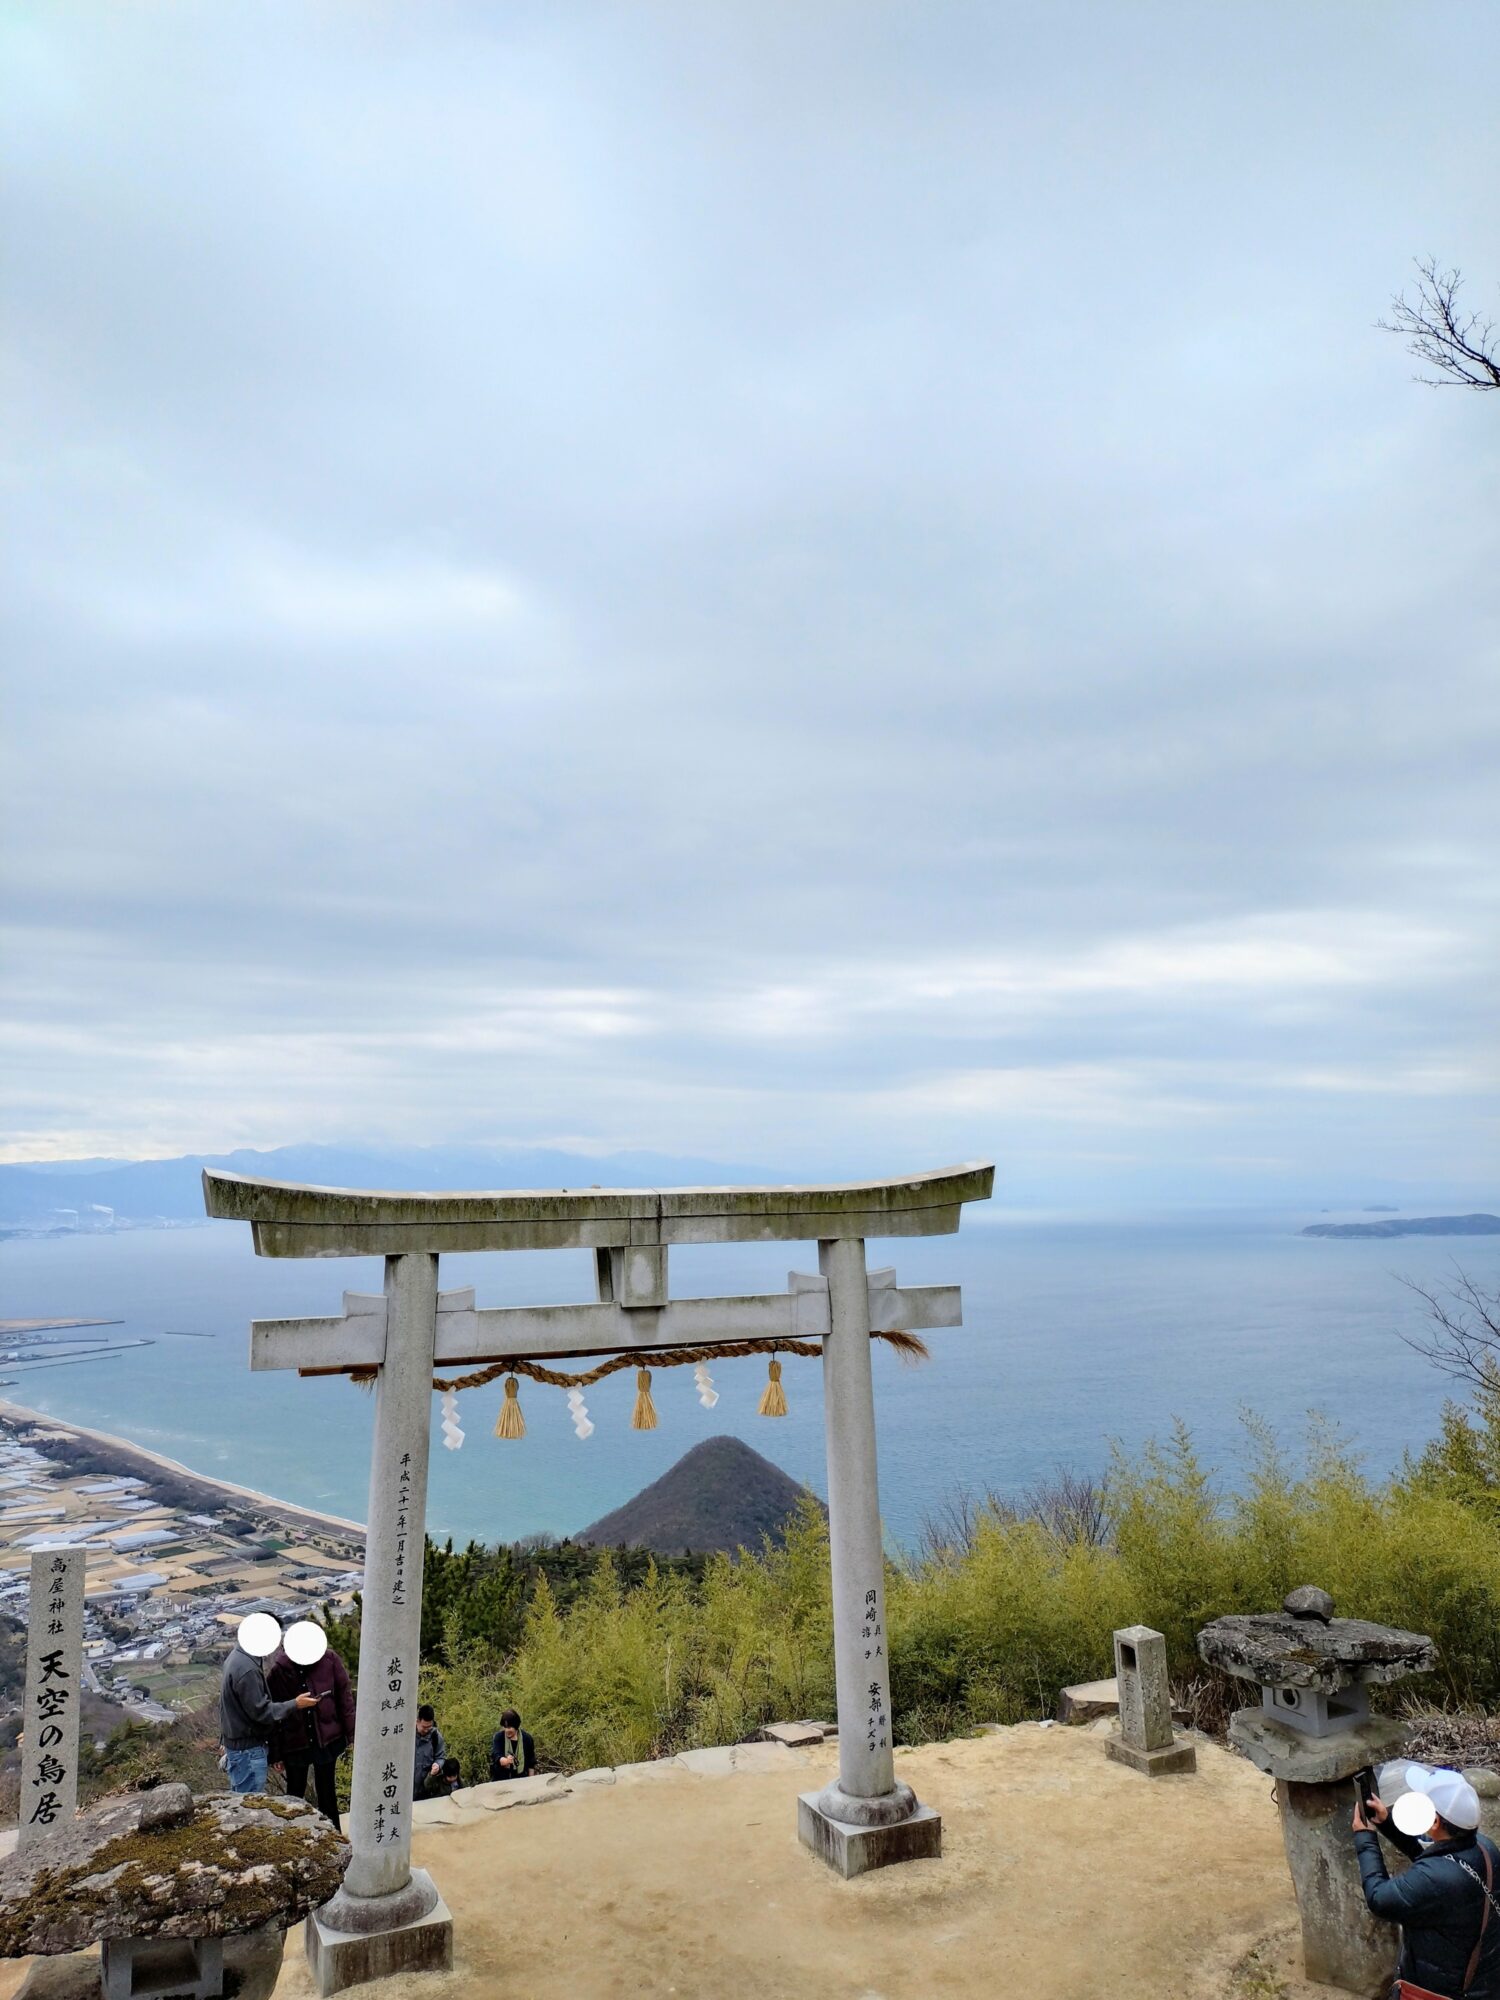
{"x":578,"y":1411}
{"x":708,"y":1395}
{"x":453,"y":1436}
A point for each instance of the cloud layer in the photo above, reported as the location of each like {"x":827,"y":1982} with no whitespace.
{"x":835,"y":586}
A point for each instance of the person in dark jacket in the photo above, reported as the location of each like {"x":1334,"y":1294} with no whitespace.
{"x":1440,"y":1902}
{"x":443,"y":1780}
{"x":248,"y":1716}
{"x":512,"y":1752}
{"x":316,"y":1738}
{"x":430,"y":1750}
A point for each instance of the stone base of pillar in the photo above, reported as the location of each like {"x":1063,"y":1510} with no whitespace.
{"x":422,"y":1943}
{"x":1152,"y":1763}
{"x":855,"y":1850}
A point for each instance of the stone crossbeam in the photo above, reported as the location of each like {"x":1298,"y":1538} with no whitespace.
{"x":357,"y":1337}
{"x":294,"y":1221}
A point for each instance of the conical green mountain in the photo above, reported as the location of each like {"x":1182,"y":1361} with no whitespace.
{"x":720,"y":1495}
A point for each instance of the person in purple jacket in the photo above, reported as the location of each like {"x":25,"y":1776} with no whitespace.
{"x":314,"y":1738}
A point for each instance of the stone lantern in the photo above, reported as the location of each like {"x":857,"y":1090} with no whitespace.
{"x":1312,"y":1732}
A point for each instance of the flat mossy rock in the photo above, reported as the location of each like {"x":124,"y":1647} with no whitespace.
{"x":166,"y":1864}
{"x":1279,"y":1649}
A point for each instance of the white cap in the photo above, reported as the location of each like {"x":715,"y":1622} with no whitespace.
{"x":305,"y":1643}
{"x":1453,"y":1797}
{"x":259,"y":1635}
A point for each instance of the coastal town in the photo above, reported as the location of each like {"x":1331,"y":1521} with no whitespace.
{"x":174,"y":1560}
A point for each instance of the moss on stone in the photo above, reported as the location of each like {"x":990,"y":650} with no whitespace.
{"x":259,"y":1872}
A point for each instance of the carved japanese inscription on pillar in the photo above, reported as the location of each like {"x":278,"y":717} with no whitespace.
{"x":54,"y":1672}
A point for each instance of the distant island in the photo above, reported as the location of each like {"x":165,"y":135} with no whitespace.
{"x":1415,"y":1225}
{"x":718,"y":1497}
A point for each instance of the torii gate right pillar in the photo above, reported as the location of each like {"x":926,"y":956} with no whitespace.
{"x":865,"y":1819}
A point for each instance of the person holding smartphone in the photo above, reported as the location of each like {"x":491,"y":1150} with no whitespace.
{"x":1445,"y":1902}
{"x":313,"y":1739}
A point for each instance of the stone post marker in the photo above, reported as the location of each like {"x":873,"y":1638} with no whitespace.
{"x":1145,"y":1741}
{"x":54,"y":1674}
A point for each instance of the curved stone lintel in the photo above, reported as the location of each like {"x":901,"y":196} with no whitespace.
{"x":294,"y":1220}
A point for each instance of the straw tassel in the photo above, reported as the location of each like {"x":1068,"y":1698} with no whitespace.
{"x":645,"y":1410}
{"x":510,"y":1423}
{"x":773,"y":1398}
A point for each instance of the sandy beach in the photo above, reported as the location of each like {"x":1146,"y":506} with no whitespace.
{"x":137,"y":1458}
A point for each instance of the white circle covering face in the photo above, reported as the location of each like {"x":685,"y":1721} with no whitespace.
{"x":259,"y":1635}
{"x":305,"y":1642}
{"x":1414,"y":1813}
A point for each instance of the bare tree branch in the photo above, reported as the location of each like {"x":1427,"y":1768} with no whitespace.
{"x":1462,"y":347}
{"x":1462,"y":1336}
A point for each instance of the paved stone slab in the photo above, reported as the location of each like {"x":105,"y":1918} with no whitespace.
{"x":714,"y":1763}
{"x":652,"y":1772}
{"x":1088,"y":1700}
{"x":796,"y":1735}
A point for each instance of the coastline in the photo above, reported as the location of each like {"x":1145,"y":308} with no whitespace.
{"x":138,"y":1456}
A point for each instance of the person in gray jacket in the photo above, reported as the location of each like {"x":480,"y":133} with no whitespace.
{"x":428,"y":1750}
{"x":247,"y":1714}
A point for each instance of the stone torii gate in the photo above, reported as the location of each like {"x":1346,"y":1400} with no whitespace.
{"x":388,"y":1917}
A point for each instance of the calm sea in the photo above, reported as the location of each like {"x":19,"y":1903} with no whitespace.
{"x":1076,"y":1333}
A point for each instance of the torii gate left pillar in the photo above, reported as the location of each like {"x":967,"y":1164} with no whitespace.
{"x":388,"y":1916}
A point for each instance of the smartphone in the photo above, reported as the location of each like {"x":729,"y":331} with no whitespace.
{"x":1365,"y":1785}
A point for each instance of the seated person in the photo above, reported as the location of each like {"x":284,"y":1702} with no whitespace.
{"x":512,"y":1752}
{"x":428,"y":1750}
{"x":443,"y":1780}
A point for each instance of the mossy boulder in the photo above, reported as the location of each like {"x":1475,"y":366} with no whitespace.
{"x":166,"y":1864}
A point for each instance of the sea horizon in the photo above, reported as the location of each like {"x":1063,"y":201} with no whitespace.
{"x":1079,"y":1331}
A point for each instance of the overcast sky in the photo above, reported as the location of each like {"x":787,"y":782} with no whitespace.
{"x":846,"y":586}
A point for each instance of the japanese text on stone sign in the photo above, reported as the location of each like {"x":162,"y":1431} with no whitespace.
{"x":390,"y":1806}
{"x":872,"y":1638}
{"x":49,"y":1769}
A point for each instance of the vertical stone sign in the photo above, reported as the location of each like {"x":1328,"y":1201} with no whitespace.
{"x":1146,"y":1742}
{"x":54,"y":1674}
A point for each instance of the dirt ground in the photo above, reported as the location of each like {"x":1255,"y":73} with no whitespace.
{"x":1064,"y":1877}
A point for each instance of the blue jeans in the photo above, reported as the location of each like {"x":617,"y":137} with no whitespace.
{"x":247,"y":1768}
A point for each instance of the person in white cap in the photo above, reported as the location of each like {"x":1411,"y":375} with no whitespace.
{"x":1445,"y":1902}
{"x":247,"y":1714}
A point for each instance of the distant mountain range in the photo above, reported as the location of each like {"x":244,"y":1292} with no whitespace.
{"x":1416,"y":1225}
{"x":721,"y":1495}
{"x":147,"y":1191}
